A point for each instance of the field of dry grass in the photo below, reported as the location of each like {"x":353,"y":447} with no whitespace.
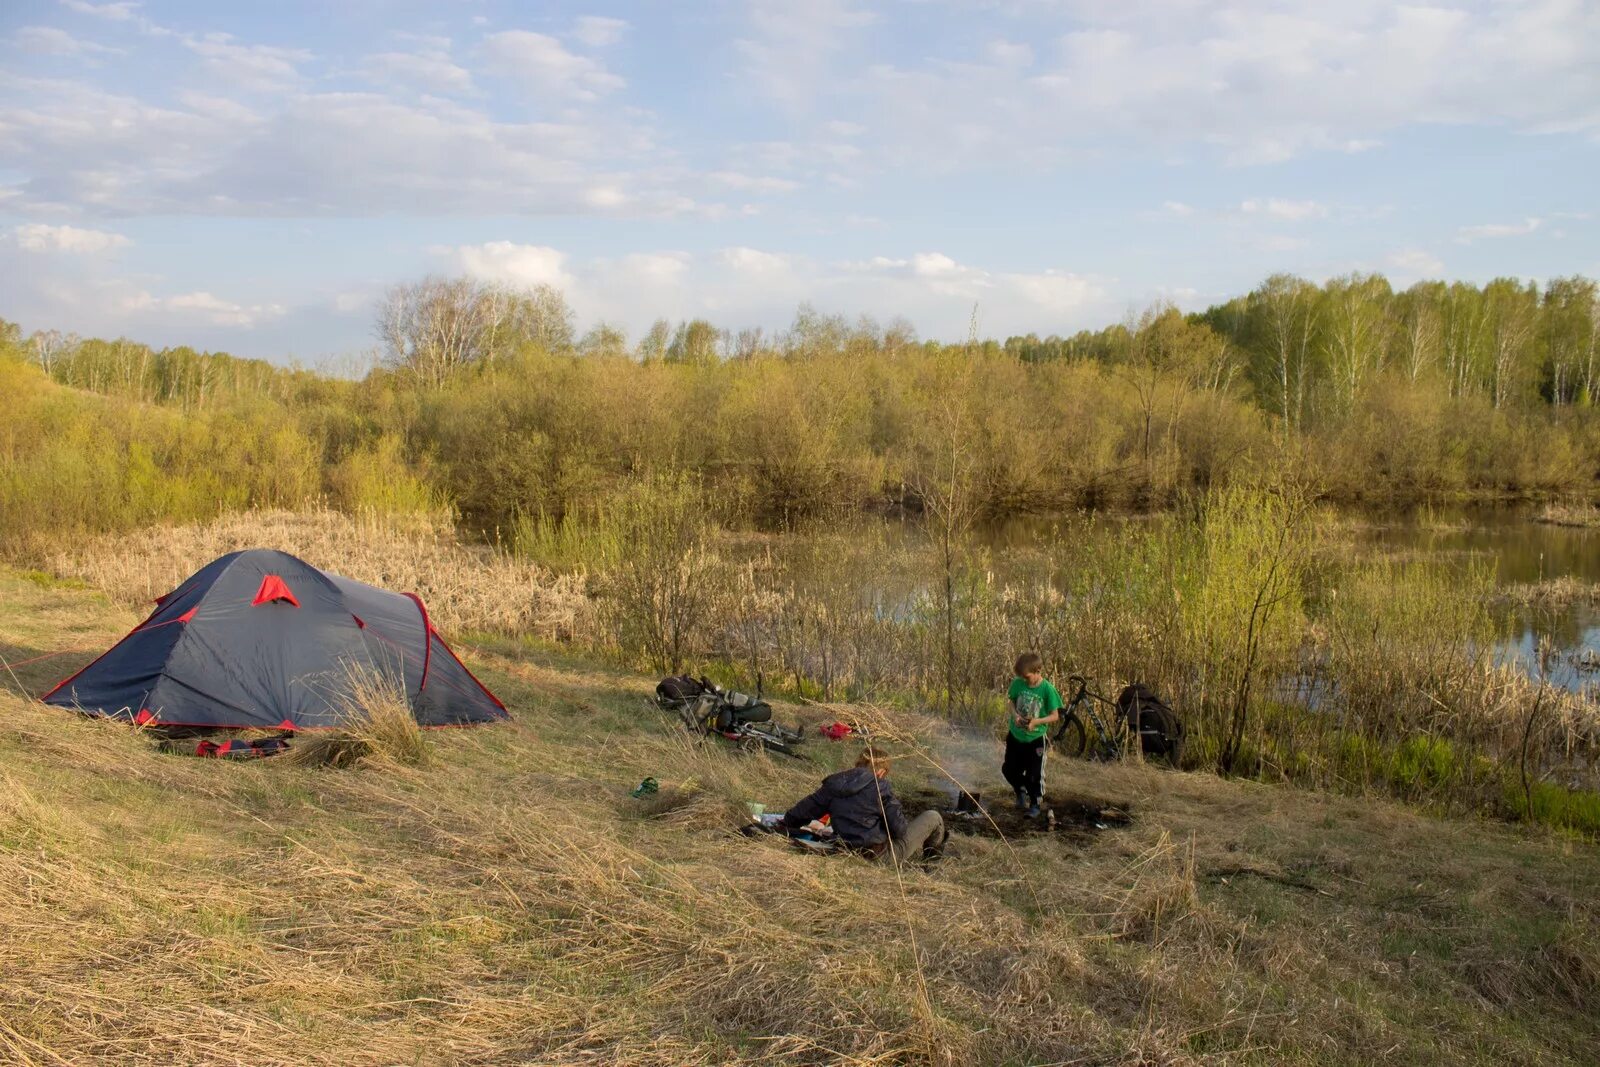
{"x":465,"y":588}
{"x":504,"y":901}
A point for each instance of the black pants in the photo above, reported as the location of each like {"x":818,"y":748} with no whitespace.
{"x":1024,"y":766}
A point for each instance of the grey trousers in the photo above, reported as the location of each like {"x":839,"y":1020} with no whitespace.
{"x":925,"y":830}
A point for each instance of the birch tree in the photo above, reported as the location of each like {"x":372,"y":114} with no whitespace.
{"x":1284,"y":314}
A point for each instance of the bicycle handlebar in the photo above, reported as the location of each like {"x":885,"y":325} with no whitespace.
{"x":1083,"y":688}
{"x":1084,"y":691}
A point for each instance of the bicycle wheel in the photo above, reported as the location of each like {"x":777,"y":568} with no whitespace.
{"x":772,"y":742}
{"x":1072,"y":739}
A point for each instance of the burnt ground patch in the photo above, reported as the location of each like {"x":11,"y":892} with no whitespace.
{"x":1076,"y":817}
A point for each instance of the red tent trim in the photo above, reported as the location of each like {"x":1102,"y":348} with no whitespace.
{"x":427,"y":639}
{"x":61,"y":684}
{"x":273,"y":588}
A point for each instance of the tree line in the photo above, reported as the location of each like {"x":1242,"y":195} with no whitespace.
{"x":1303,"y":351}
{"x":487,"y":400}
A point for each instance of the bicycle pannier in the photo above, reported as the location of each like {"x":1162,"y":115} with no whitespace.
{"x":678,"y":691}
{"x":1158,"y":727}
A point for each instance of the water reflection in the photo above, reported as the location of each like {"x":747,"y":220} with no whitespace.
{"x":1525,"y":552}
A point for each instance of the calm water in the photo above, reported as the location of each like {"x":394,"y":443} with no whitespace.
{"x":1524,"y":551}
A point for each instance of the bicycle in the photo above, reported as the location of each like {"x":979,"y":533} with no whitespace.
{"x":742,"y":719}
{"x":1159,"y":731}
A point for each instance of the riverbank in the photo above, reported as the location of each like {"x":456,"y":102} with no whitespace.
{"x":507,"y":902}
{"x":1581,"y":516}
{"x":1405,"y":624}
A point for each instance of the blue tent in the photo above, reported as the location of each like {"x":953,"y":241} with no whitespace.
{"x":262,"y":639}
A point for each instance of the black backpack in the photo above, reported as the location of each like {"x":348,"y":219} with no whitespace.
{"x":722,"y":708}
{"x":740,"y":707}
{"x":1157,"y":726}
{"x":679,"y":691}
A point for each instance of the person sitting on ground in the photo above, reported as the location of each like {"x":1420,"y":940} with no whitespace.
{"x":1035,"y":704}
{"x":866,"y":814}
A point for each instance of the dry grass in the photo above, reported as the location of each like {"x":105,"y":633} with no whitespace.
{"x":1582,"y":515}
{"x":505,"y":902}
{"x":465,"y":588}
{"x":1556,"y":593}
{"x":378,"y":725}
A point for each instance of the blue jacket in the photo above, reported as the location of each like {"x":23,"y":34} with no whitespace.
{"x":860,"y":811}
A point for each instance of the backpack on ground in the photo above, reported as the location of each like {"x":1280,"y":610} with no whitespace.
{"x":702,"y":699}
{"x":1153,"y":721}
{"x":740,"y":707}
{"x":679,"y":690}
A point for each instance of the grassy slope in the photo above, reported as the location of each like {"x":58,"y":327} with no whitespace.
{"x":508,"y":903}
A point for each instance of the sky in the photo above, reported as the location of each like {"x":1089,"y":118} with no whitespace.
{"x":252,"y":177}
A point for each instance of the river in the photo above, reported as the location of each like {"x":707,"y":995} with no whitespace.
{"x":1525,"y":552}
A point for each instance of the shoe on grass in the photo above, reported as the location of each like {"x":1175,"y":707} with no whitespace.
{"x":1033,"y":810}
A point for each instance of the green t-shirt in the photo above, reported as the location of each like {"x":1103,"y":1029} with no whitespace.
{"x":1035,"y":702}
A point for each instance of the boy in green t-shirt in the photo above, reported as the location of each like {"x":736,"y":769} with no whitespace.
{"x":1035,"y":704}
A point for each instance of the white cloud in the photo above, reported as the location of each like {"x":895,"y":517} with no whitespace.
{"x":1176,"y":207}
{"x":1415,"y":263}
{"x":544,"y":65}
{"x":933,"y":264}
{"x":1007,"y":54}
{"x":1255,"y":81}
{"x":597,"y":31}
{"x":1468,"y":234}
{"x":253,"y":66}
{"x":325,"y":154}
{"x":37,"y":237}
{"x":657,"y":267}
{"x":354,"y":300}
{"x":1278,"y":242}
{"x":1020,"y":299}
{"x":792,"y":50}
{"x":513,"y":264}
{"x":1291,"y":210}
{"x":431,"y":70}
{"x":754,"y":183}
{"x":752,"y":261}
{"x":1055,"y":290}
{"x":203,"y":307}
{"x":220,"y":108}
{"x":738,"y":286}
{"x":49,"y":41}
{"x":121,"y":11}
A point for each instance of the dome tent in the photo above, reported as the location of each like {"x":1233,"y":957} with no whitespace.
{"x":262,"y":639}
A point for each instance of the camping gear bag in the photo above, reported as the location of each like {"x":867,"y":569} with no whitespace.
{"x":679,"y":690}
{"x":734,"y":708}
{"x":725,"y":709}
{"x":1157,"y":726}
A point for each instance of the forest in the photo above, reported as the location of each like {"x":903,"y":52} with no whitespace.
{"x":483,"y":402}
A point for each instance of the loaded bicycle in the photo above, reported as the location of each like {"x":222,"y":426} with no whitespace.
{"x":706,"y":708}
{"x":1095,"y":727}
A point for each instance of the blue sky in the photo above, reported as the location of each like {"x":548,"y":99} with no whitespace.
{"x":251,"y":177}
